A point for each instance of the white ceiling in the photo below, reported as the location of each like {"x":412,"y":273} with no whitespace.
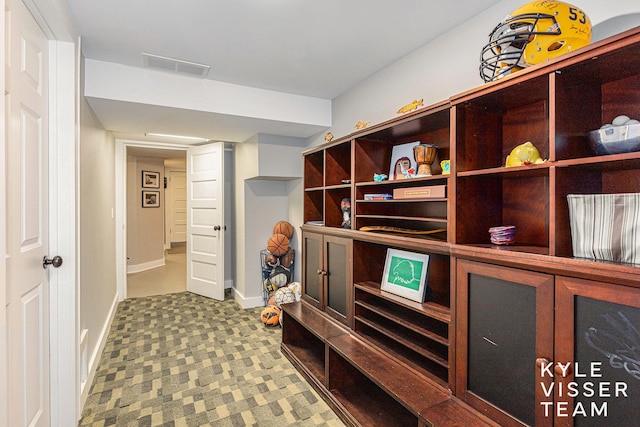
{"x":305,"y":47}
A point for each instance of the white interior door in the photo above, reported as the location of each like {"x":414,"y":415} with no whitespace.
{"x":27,"y":219}
{"x":205,"y":220}
{"x":178,"y":225}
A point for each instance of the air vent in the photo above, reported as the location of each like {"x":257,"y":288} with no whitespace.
{"x":176,"y":65}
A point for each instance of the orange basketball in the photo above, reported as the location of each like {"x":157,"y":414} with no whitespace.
{"x":283,"y":227}
{"x":278,"y":244}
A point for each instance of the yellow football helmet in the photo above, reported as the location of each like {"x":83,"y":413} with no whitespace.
{"x":534,"y":33}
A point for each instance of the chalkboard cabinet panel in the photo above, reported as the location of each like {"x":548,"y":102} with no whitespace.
{"x":505,"y":323}
{"x":597,"y":354}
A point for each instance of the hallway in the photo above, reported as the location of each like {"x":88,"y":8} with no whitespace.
{"x":170,"y":278}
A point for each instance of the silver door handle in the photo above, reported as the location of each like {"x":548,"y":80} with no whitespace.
{"x":56,"y":261}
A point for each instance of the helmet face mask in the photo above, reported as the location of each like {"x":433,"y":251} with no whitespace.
{"x":534,"y":33}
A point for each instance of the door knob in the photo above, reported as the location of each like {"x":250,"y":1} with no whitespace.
{"x":216,"y":228}
{"x":56,"y":261}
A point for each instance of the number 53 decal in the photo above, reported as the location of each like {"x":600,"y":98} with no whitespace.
{"x":573,"y":15}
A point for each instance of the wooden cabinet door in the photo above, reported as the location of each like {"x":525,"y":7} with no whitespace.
{"x":504,"y":327}
{"x":597,"y":330}
{"x":312,"y":268}
{"x":338,"y":290}
{"x":327,"y":274}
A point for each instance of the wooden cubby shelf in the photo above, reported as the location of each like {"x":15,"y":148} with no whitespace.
{"x":382,"y":359}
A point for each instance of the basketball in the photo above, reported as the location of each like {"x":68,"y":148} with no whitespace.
{"x":278,"y":244}
{"x":283,"y":227}
{"x":270,"y":316}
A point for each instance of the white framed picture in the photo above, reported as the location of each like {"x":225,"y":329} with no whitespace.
{"x":150,"y":179}
{"x":405,"y":274}
{"x":150,"y":199}
{"x":402,"y":156}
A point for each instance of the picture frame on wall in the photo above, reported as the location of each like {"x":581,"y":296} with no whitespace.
{"x":405,"y":274}
{"x":402,"y":155}
{"x":150,"y":179}
{"x":150,"y":199}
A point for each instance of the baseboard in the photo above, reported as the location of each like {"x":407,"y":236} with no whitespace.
{"x":97,"y":352}
{"x":247,"y":302}
{"x":137,"y":268}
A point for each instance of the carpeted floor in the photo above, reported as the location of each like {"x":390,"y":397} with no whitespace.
{"x":185,"y":360}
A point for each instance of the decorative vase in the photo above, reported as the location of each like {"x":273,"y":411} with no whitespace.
{"x":425,"y":154}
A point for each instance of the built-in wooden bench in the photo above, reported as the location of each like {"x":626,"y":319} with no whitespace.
{"x":363,"y":385}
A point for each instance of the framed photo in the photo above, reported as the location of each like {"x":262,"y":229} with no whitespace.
{"x":150,"y":199}
{"x":402,"y":155}
{"x":405,"y":274}
{"x":150,"y":179}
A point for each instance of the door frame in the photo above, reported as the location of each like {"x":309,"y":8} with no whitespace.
{"x":64,"y":90}
{"x":121,"y":204}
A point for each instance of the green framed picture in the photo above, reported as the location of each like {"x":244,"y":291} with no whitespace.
{"x":405,"y":274}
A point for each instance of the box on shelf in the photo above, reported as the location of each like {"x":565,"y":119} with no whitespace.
{"x":605,"y":226}
{"x":426,"y":192}
{"x":378,"y":197}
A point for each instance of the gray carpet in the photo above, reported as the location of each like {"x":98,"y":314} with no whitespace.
{"x":185,"y":360}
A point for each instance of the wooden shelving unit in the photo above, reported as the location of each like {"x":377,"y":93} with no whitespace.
{"x":386,"y":342}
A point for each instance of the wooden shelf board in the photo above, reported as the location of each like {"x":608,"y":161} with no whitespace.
{"x":532,"y":170}
{"x":404,"y":323}
{"x":311,"y":189}
{"x":311,"y":318}
{"x":613,"y":162}
{"x":430,"y":309}
{"x":403,"y":218}
{"x":307,"y":360}
{"x":404,"y":342}
{"x":365,"y":406}
{"x":430,"y":199}
{"x":539,"y":250}
{"x":401,"y":182}
{"x":415,"y":392}
{"x":411,"y":364}
{"x":337,"y":187}
{"x":454,"y":413}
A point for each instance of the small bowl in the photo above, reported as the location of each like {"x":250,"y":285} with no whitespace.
{"x":504,"y":235}
{"x":615,"y":139}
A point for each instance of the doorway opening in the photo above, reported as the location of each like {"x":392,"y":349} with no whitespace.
{"x":156,"y":221}
{"x":220,"y":275}
{"x":141,"y":261}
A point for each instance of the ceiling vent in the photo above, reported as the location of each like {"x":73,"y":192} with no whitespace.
{"x":176,"y":65}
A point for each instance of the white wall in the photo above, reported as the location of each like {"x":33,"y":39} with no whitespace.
{"x":145,"y":230}
{"x":97,"y":238}
{"x":268,"y":172}
{"x":443,"y":68}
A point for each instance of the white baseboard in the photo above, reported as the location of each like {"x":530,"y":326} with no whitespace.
{"x":97,"y":352}
{"x":137,"y":268}
{"x":247,"y":302}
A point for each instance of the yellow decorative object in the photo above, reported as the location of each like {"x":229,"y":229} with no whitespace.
{"x":361,"y":124}
{"x":328,"y":137}
{"x":410,"y":107}
{"x":524,"y":154}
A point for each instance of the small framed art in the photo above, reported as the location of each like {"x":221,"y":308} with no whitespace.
{"x":150,"y":199}
{"x":402,"y":158}
{"x":405,"y":274}
{"x":150,"y":179}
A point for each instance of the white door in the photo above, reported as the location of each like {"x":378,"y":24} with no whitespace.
{"x":205,"y":220}
{"x":178,"y":223}
{"x":27,"y":219}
